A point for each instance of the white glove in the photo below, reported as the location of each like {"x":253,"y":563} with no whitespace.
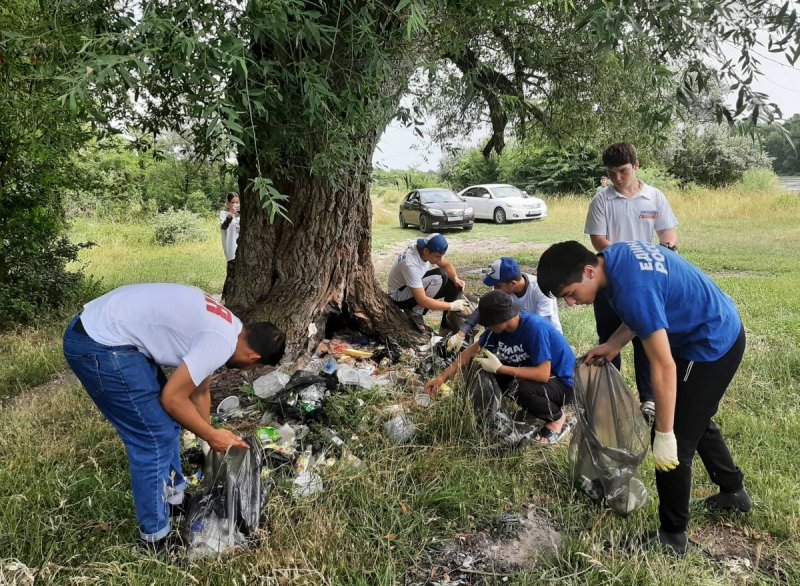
{"x":665,"y":451}
{"x":455,"y":342}
{"x":489,"y":362}
{"x":457,"y":306}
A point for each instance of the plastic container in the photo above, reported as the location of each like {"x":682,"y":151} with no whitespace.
{"x":228,"y":404}
{"x":270,"y":384}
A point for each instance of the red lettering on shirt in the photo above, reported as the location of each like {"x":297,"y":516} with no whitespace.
{"x":218,"y":309}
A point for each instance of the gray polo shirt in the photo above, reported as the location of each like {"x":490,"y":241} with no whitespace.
{"x":621,"y":219}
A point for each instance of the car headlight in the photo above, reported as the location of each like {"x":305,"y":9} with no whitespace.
{"x":468,"y":211}
{"x":435,"y":212}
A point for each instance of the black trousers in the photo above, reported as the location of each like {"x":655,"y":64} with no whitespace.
{"x":228,"y":275}
{"x":700,"y":389}
{"x":607,"y":323}
{"x":448,"y":292}
{"x":542,"y":400}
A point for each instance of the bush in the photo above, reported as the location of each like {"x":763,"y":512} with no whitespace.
{"x":658,"y":177}
{"x":175,"y":227}
{"x":713,"y":157}
{"x":757,"y":180}
{"x":551,"y":170}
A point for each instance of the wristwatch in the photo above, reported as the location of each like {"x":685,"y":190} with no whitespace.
{"x":672,"y":247}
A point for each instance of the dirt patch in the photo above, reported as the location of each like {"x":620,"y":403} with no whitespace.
{"x":516,"y":544}
{"x":66,"y":377}
{"x":741,"y":552}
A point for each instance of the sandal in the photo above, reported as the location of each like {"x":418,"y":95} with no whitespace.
{"x":551,"y":437}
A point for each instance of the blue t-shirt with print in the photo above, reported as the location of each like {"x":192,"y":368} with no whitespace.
{"x":651,"y":287}
{"x":533,"y":342}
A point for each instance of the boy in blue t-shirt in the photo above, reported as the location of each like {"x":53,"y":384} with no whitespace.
{"x":694,"y":340}
{"x":526,"y":347}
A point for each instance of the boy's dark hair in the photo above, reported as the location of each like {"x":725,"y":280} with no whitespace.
{"x":267,"y":340}
{"x":231,"y":195}
{"x":619,"y":154}
{"x":562,"y":265}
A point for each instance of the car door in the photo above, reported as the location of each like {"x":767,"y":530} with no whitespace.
{"x":471,"y":200}
{"x":483,"y":203}
{"x":411,"y":208}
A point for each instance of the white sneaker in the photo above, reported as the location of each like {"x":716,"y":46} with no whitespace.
{"x":648,"y":409}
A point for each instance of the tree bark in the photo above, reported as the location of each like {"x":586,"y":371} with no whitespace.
{"x":299,"y":273}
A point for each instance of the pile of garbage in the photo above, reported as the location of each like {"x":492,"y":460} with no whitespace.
{"x":284,"y":420}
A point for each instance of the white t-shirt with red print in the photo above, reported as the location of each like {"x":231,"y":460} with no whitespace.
{"x":171,"y":324}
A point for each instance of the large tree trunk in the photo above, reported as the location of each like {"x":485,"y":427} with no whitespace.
{"x":299,"y":273}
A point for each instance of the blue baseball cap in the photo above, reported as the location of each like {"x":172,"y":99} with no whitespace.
{"x":502,"y":270}
{"x":436,"y":243}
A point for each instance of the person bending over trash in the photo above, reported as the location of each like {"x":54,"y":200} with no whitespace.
{"x":694,"y":340}
{"x":529,"y":360}
{"x":116,"y":347}
{"x":416,"y":288}
{"x":506,"y":276}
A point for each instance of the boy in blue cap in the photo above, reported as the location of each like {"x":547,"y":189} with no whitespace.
{"x":525,"y":357}
{"x":417,"y":288}
{"x":506,"y":276}
{"x":694,"y":340}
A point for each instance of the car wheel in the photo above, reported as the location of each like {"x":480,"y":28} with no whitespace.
{"x":423,"y":224}
{"x":499,"y":216}
{"x":468,"y":228}
{"x":403,"y":223}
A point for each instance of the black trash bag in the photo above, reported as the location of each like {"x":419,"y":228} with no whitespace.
{"x":289,"y":403}
{"x":498,"y":425}
{"x":229,"y":507}
{"x":610,"y":440}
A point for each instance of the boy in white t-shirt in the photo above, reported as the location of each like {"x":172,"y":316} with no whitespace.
{"x":627,"y":210}
{"x":416,"y":288}
{"x":116,"y":347}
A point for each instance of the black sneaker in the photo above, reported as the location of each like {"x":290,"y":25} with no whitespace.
{"x":169,"y":546}
{"x":738,"y":501}
{"x":670,"y":543}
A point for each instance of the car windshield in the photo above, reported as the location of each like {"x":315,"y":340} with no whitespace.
{"x":443,"y":196}
{"x":507,"y":191}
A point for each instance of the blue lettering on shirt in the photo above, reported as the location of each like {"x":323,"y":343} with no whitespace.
{"x":535,"y":341}
{"x":653,"y":288}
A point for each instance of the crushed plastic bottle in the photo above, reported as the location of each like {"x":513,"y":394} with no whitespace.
{"x":270,"y":384}
{"x":330,"y":365}
{"x":362,"y":377}
{"x":400,"y":429}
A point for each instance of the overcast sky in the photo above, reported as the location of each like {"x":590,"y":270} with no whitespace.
{"x":400,"y":148}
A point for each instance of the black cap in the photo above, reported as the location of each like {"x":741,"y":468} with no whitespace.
{"x":496,"y":307}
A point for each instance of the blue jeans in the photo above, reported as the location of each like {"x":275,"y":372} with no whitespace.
{"x":126,"y":387}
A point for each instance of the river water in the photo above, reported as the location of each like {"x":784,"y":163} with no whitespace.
{"x":792,"y":183}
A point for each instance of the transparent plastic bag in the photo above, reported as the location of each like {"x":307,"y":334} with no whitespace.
{"x":228,"y":509}
{"x":610,"y":440}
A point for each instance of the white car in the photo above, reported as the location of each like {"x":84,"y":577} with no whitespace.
{"x":501,"y":203}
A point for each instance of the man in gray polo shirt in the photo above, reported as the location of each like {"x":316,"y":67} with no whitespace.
{"x":628,"y":209}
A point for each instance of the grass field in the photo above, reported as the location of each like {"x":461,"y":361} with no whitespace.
{"x":65,"y":510}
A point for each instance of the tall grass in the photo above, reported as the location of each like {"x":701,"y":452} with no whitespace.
{"x":65,"y":508}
